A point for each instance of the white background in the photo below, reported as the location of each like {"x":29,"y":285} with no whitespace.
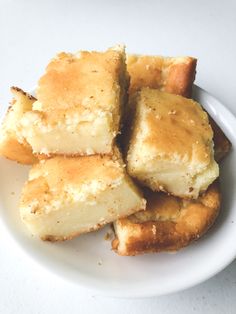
{"x":31,"y":32}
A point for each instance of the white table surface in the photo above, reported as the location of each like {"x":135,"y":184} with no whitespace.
{"x":31,"y":32}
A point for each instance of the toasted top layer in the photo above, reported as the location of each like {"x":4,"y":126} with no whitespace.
{"x":173,"y":75}
{"x":61,"y":170}
{"x":88,"y":79}
{"x":173,"y":126}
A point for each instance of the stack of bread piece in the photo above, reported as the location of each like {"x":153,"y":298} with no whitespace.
{"x":81,"y":179}
{"x":169,"y":150}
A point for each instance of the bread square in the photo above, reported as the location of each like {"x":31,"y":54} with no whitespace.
{"x":170,"y":74}
{"x":170,"y":146}
{"x":79,"y":104}
{"x":10,"y":147}
{"x":67,"y":196}
{"x":168,"y":224}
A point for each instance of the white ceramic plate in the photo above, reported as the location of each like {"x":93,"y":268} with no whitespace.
{"x":88,"y":260}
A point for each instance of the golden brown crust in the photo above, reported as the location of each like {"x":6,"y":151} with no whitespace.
{"x":181,"y":77}
{"x":15,"y":151}
{"x":86,"y":78}
{"x":176,"y":124}
{"x":173,"y":75}
{"x":74,"y":170}
{"x":169,"y":223}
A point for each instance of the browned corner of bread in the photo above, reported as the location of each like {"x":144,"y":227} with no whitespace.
{"x":181,"y":77}
{"x":17,"y":89}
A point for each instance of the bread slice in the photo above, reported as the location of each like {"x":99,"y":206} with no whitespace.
{"x":10,"y":147}
{"x":174,"y":75}
{"x":67,"y":196}
{"x":168,"y":224}
{"x":171,"y":147}
{"x":80,"y":103}
{"x":169,"y":74}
